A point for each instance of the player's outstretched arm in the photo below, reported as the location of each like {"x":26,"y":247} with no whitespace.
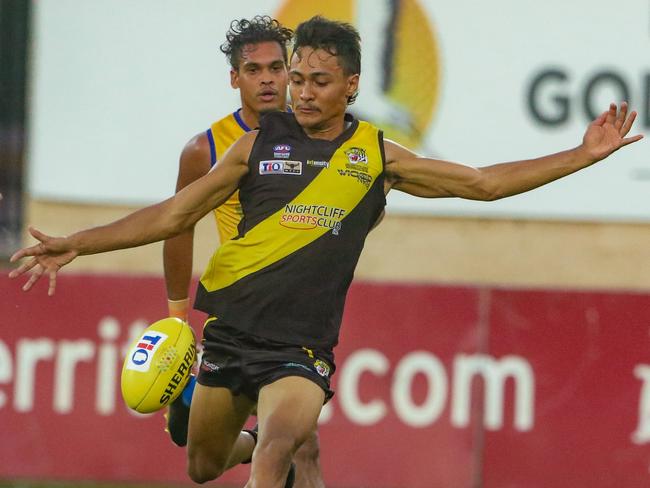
{"x":150,"y":224}
{"x":433,"y":178}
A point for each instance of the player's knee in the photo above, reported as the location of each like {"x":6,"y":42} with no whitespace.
{"x":278,"y":450}
{"x":201,"y":470}
{"x":201,"y":473}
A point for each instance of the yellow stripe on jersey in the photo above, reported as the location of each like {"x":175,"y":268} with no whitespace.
{"x":224,"y":133}
{"x":321,"y":207}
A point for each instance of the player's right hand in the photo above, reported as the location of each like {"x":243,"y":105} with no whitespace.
{"x":48,"y":256}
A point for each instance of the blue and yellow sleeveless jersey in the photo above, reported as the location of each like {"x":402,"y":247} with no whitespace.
{"x":221,"y":135}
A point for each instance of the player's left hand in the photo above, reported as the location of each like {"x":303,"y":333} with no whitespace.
{"x":607,"y":133}
{"x":48,"y":256}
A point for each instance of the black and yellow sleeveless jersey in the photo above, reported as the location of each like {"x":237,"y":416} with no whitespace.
{"x":221,"y":135}
{"x":308,"y":205}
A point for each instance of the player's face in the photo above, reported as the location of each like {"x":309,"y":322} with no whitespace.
{"x":261,"y":77}
{"x":319,"y":88}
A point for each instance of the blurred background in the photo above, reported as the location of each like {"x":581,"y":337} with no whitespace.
{"x":501,"y":344}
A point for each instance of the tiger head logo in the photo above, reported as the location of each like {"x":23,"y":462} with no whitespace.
{"x":356,"y":155}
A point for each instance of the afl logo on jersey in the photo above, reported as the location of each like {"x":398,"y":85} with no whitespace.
{"x":281,"y":151}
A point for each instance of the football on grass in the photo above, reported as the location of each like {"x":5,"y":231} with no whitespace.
{"x":157,"y":366}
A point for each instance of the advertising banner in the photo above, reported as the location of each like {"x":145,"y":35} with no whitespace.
{"x":465,"y":81}
{"x":576,"y":410}
{"x":436,"y":386}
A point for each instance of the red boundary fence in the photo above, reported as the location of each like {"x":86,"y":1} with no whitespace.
{"x":437,"y":386}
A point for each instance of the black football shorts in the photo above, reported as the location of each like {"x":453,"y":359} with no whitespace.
{"x":244,"y":363}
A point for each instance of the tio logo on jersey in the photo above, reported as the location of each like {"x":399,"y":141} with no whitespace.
{"x":280,"y":167}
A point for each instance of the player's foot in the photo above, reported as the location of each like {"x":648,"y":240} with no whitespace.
{"x":291,"y":476}
{"x":178,"y":415}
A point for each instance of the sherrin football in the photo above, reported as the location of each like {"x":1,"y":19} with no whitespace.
{"x":157,"y":366}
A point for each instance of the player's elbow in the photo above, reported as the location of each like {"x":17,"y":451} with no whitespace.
{"x":178,"y":224}
{"x":485,"y":189}
{"x":175,"y":220}
{"x":491,"y":194}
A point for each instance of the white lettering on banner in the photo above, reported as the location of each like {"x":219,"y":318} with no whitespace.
{"x":107,"y":362}
{"x":494,"y":373}
{"x":369,"y":360}
{"x":6,"y":370}
{"x":60,"y":360}
{"x":29,"y":352}
{"x":434,"y":371}
{"x":70,"y":353}
{"x":642,"y":433}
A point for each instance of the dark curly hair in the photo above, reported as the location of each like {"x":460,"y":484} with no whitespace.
{"x":260,"y":28}
{"x":340,"y":39}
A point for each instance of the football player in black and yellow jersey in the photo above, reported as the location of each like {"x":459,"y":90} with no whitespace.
{"x":257,"y":53}
{"x":311,"y":186}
